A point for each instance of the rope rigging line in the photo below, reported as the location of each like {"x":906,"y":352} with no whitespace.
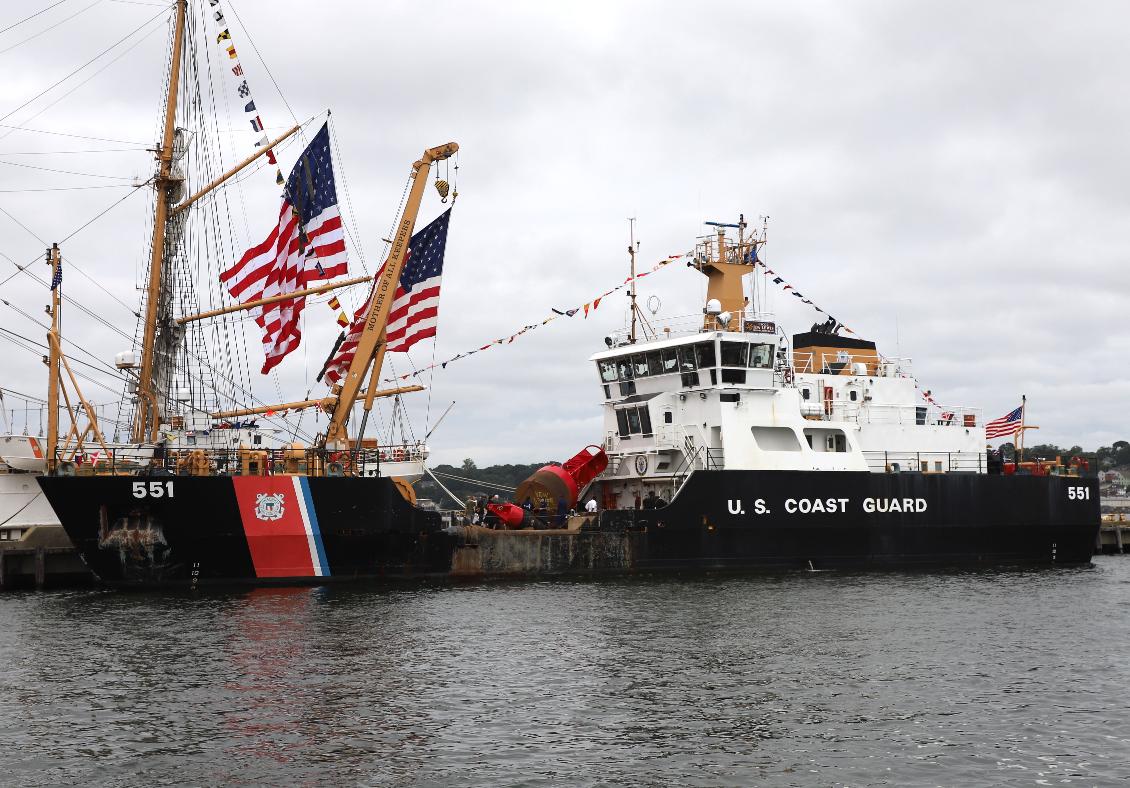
{"x":65,"y":172}
{"x":37,"y":349}
{"x":30,"y":17}
{"x":68,"y":188}
{"x":21,"y":395}
{"x":105,"y":51}
{"x":262,"y":61}
{"x":355,"y":236}
{"x":100,"y":69}
{"x":70,"y":260}
{"x":66,"y":152}
{"x":47,"y":29}
{"x":63,"y":338}
{"x":68,"y":134}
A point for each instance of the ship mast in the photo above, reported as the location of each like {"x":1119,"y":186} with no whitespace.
{"x":724,"y":266}
{"x":147,"y":414}
{"x":632,"y":292}
{"x":55,"y":261}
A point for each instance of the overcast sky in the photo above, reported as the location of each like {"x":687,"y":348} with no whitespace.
{"x":948,"y":180}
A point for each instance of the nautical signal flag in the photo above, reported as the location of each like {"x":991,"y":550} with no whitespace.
{"x":57,"y":279}
{"x":414,"y":313}
{"x":335,"y":305}
{"x":1009,"y":424}
{"x":281,"y":264}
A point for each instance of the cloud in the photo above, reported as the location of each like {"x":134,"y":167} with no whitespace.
{"x":956,"y":171}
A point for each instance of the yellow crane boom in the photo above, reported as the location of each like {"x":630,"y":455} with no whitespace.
{"x":384,"y":290}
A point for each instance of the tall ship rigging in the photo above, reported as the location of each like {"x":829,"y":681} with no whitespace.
{"x":727,"y":443}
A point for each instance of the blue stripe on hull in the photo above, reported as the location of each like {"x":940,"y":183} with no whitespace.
{"x":309,"y":500}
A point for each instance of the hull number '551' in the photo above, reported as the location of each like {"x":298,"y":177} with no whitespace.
{"x":1073,"y":493}
{"x":153,"y":490}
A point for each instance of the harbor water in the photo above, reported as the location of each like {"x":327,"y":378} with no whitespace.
{"x":1001,"y":677}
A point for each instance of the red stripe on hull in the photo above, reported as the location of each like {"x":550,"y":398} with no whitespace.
{"x":272,"y":522}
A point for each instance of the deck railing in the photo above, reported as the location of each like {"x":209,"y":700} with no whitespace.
{"x":808,"y":362}
{"x":164,"y":461}
{"x":925,"y":461}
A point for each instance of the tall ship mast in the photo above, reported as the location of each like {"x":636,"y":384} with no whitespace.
{"x":727,"y":441}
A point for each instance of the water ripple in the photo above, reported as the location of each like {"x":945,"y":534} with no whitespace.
{"x":965,"y":678}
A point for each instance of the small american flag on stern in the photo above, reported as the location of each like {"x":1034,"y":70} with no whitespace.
{"x":414,"y":313}
{"x":1005,"y":425}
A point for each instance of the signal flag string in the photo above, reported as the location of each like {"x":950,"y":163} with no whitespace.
{"x":243,"y":90}
{"x":835,"y":324}
{"x":585,"y":309}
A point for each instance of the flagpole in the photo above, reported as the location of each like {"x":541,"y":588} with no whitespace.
{"x":1023,"y":413}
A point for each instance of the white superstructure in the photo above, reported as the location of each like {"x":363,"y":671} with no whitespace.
{"x":732,"y":392}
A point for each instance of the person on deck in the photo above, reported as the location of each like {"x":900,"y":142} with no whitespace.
{"x":590,"y":507}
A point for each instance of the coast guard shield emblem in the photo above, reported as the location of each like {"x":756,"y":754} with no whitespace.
{"x":269,"y":507}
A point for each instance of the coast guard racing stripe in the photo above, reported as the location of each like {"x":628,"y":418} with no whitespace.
{"x":281,"y":526}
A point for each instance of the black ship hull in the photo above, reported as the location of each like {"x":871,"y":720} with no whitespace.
{"x":186,"y":531}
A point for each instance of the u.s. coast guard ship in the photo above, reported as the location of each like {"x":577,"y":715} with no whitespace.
{"x":732,"y":443}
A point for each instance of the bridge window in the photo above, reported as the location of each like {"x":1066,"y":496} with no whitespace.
{"x":654,"y":362}
{"x":670,"y":360}
{"x":734,"y":354}
{"x":733,"y":375}
{"x":607,"y":369}
{"x":704,"y":352}
{"x":825,"y":440}
{"x":686,"y":359}
{"x":761,"y":356}
{"x":775,"y":439}
{"x":624,"y":368}
{"x":639,"y":363}
{"x":633,"y":421}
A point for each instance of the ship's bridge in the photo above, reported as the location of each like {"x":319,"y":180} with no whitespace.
{"x":753,"y":358}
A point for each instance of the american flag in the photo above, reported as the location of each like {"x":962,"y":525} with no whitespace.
{"x":1005,"y":425}
{"x":57,"y":278}
{"x":414,"y":313}
{"x":306,"y":244}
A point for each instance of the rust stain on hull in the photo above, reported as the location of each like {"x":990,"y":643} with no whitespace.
{"x":542,"y":552}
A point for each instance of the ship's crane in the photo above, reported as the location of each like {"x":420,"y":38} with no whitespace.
{"x":371,"y":346}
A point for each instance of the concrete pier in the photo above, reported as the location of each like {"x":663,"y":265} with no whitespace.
{"x":1114,"y":534}
{"x":43,"y":558}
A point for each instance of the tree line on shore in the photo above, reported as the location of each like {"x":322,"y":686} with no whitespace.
{"x":1104,"y":458}
{"x":500,"y":479}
